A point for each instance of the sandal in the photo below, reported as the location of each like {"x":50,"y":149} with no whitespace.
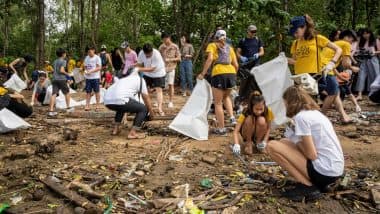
{"x":136,"y":137}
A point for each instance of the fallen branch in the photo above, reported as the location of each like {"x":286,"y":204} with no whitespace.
{"x":209,"y":206}
{"x":71,"y":195}
{"x":85,"y":188}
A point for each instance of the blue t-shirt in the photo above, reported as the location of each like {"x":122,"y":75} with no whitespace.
{"x":250,"y":46}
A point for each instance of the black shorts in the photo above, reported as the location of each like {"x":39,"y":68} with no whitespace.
{"x":60,"y":85}
{"x":223,"y":81}
{"x":319,"y":180}
{"x":155,"y":82}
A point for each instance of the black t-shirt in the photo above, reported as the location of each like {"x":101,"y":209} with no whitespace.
{"x":249,"y":46}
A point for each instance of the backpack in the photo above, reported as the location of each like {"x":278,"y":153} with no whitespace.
{"x":103,"y":58}
{"x":223,"y":55}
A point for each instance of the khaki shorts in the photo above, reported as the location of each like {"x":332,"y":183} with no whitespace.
{"x":170,"y":77}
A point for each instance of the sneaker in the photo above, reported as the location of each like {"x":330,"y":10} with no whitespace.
{"x":52,"y":113}
{"x":302,"y":192}
{"x":233,"y":120}
{"x":69,"y":110}
{"x":220,"y":131}
{"x":170,"y":105}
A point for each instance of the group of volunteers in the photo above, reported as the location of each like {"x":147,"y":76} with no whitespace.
{"x":310,"y":152}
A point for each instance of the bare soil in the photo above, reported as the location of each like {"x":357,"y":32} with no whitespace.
{"x":142,"y":166}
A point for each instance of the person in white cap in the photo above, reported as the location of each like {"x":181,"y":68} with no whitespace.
{"x":223,"y":77}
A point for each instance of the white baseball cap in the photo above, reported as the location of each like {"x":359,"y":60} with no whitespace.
{"x":220,"y":35}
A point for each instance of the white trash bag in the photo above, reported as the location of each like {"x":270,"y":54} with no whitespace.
{"x":192,"y":119}
{"x":77,"y":75}
{"x":15,"y":83}
{"x":274,"y":78}
{"x":9,"y":121}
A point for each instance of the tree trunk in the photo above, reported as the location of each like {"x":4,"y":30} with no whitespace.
{"x":368,"y":13}
{"x":354,"y":13}
{"x":93,"y":22}
{"x":40,"y":44}
{"x":97,"y":23}
{"x":6,"y":26}
{"x":81,"y":26}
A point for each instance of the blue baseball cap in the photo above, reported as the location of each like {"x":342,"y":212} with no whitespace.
{"x":295,"y":23}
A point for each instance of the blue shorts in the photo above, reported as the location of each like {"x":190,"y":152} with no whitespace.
{"x":92,"y":85}
{"x":329,"y":84}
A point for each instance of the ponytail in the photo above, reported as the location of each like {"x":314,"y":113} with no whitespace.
{"x":310,"y":32}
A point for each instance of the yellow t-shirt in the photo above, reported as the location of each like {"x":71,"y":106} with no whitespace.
{"x":305,"y":52}
{"x":328,"y":53}
{"x":71,"y":66}
{"x":219,"y":68}
{"x":3,"y":91}
{"x":48,"y":68}
{"x":269,"y":117}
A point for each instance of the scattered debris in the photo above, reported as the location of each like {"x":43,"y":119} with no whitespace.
{"x":209,"y":159}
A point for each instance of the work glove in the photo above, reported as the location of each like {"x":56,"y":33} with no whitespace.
{"x":256,"y":56}
{"x":261,"y":146}
{"x":243,"y":59}
{"x":236,"y":149}
{"x":329,"y":67}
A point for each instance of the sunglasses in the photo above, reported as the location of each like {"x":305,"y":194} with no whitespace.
{"x":252,"y":31}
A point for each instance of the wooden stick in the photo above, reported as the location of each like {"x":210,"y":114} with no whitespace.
{"x":222,"y":206}
{"x":86,"y":189}
{"x":71,"y":195}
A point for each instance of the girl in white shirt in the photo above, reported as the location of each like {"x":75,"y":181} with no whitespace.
{"x":311,"y":151}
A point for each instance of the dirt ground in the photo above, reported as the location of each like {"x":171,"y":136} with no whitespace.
{"x":152,"y":167}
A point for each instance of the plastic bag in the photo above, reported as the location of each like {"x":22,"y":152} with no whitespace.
{"x":274,"y":78}
{"x":77,"y":75}
{"x":15,"y":83}
{"x":307,"y":82}
{"x":9,"y":121}
{"x":192,"y":119}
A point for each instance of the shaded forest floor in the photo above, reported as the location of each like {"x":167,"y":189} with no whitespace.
{"x":151,"y":168}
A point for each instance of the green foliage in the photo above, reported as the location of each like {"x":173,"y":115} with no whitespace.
{"x":144,"y":20}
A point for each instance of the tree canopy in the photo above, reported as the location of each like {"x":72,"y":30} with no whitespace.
{"x":40,"y":26}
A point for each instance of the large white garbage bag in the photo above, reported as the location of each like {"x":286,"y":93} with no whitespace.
{"x":192,"y":119}
{"x":77,"y":75}
{"x":60,"y":102}
{"x":9,"y":121}
{"x":274,"y":78}
{"x":15,"y":83}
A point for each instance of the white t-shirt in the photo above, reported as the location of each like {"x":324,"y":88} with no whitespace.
{"x":154,"y":61}
{"x":124,"y":89}
{"x":91,"y":63}
{"x":330,"y":159}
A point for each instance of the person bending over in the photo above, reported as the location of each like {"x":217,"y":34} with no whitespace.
{"x":121,"y":98}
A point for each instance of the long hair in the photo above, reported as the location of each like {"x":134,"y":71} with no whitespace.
{"x":254,"y":99}
{"x":333,"y":34}
{"x":297,"y":99}
{"x":371,"y":41}
{"x":310,"y":31}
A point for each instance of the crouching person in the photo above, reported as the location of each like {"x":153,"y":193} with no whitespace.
{"x":253,"y":125}
{"x":123,"y":97}
{"x":14,"y":102}
{"x":311,"y":153}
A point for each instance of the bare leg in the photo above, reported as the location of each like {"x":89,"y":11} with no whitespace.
{"x":289,"y":157}
{"x":218,"y":102}
{"x":247,"y":130}
{"x":171,"y":93}
{"x":327,"y":103}
{"x":97,"y":97}
{"x":88,"y":98}
{"x":228,"y":102}
{"x":116,"y":129}
{"x":360,"y":96}
{"x":353,"y":99}
{"x":159,"y":99}
{"x":67,"y":99}
{"x":52,"y":102}
{"x":339,"y":107}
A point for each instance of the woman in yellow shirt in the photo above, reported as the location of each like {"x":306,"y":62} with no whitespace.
{"x":222,"y":57}
{"x":253,"y":125}
{"x":306,"y":55}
